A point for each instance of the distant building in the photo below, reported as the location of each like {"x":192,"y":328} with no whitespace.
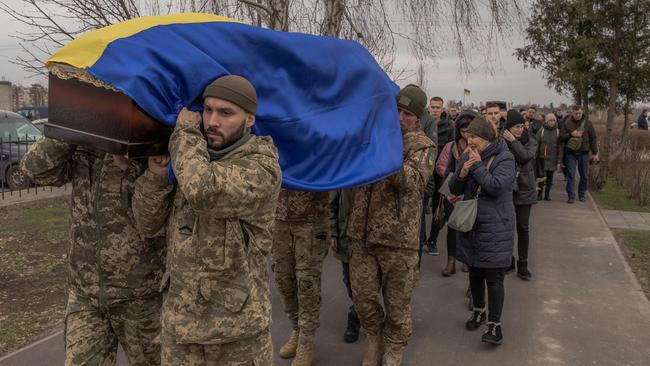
{"x":32,"y":96}
{"x":38,"y":95}
{"x":6,"y":100}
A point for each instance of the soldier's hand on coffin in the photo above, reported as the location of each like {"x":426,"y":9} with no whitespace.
{"x":158,"y":164}
{"x":121,"y":162}
{"x":188,"y":115}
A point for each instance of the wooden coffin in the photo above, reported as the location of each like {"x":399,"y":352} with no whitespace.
{"x":102,"y":119}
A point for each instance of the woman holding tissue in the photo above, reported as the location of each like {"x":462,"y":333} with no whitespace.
{"x":486,"y":172}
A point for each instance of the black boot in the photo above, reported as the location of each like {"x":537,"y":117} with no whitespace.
{"x":352,"y":332}
{"x":547,"y":195}
{"x":522,"y":270}
{"x":478,"y":317}
{"x":493,"y":334}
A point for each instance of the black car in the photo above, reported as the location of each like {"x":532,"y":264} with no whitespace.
{"x":16,"y":135}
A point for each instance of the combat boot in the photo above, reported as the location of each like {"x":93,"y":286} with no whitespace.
{"x":375,"y":351}
{"x":352,"y":332}
{"x":392,"y":354}
{"x":289,"y":348}
{"x":305,"y":352}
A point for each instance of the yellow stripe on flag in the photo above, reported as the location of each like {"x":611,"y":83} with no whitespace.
{"x":84,"y":51}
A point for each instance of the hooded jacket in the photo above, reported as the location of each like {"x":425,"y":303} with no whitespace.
{"x":524,"y":149}
{"x":548,"y":151}
{"x":489,"y":244}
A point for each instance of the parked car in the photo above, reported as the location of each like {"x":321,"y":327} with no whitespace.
{"x":40,"y":123}
{"x":16,"y":135}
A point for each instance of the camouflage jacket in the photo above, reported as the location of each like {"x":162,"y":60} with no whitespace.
{"x":302,"y":206}
{"x":218,"y":220}
{"x":389,"y":212}
{"x":107,"y":260}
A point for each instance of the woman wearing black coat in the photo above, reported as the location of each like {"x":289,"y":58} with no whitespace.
{"x":523,"y":145}
{"x":487,"y":248}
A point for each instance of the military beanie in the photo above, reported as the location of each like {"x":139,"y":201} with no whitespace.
{"x":413,"y":99}
{"x":514,"y":118}
{"x":234,"y":89}
{"x":481,"y":128}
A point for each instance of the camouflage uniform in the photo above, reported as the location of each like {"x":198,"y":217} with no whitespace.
{"x":384,"y":227}
{"x":299,"y":247}
{"x":113,"y":275}
{"x":218,"y":220}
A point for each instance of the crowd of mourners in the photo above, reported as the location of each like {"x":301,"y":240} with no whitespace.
{"x":175,"y":270}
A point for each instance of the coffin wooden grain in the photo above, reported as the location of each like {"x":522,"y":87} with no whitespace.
{"x":102,"y":119}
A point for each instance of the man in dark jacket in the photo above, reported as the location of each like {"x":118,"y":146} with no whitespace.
{"x":340,"y":202}
{"x":579,"y":137}
{"x":532,"y":123}
{"x":642,"y":122}
{"x":445,"y":134}
{"x":523,"y":145}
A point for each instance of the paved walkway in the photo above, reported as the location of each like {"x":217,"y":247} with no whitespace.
{"x":583,"y":306}
{"x":627,"y":220}
{"x":8,"y":198}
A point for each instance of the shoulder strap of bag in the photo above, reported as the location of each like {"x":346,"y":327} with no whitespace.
{"x":478,"y":191}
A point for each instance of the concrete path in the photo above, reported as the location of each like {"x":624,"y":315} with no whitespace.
{"x":8,"y":198}
{"x":583,"y":306}
{"x":627,"y":220}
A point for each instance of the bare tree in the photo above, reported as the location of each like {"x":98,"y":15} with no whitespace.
{"x":421,"y":29}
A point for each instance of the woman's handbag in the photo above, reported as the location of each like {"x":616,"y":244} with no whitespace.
{"x":463,"y":216}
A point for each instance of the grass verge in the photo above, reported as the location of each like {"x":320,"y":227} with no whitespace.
{"x":636,"y":246}
{"x":614,"y":197}
{"x":33,"y":243}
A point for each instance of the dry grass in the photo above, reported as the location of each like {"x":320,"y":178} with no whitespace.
{"x":33,"y":242}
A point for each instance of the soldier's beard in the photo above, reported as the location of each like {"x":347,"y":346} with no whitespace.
{"x":226,"y":141}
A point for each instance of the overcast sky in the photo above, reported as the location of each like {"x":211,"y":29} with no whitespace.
{"x":510,"y":82}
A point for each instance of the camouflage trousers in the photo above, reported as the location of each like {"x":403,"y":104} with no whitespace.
{"x":299,"y":249}
{"x":92,"y":334}
{"x":254,"y":351}
{"x":378,"y":272}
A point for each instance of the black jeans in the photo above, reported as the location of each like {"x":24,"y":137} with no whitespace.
{"x":523,"y":217}
{"x":478,"y":277}
{"x":451,"y":233}
{"x":346,"y":278}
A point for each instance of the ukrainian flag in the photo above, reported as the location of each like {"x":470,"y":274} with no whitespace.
{"x":327,"y":104}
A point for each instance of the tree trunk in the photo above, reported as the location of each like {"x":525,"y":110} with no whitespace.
{"x":333,"y":20}
{"x":626,"y":118}
{"x":603,"y":171}
{"x":585,"y":100}
{"x":605,"y":150}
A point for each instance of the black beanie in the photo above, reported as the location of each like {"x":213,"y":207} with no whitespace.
{"x":513,"y":118}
